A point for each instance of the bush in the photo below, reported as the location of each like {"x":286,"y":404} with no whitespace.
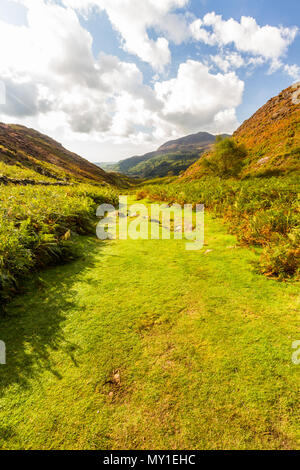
{"x":282,"y":259}
{"x":227,"y":158}
{"x":36,"y":223}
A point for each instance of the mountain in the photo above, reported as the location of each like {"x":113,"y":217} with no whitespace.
{"x":271,"y":137}
{"x":198,"y":141}
{"x":37,"y":156}
{"x":173,"y":157}
{"x":272,"y":134}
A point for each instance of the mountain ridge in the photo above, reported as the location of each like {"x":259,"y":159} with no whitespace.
{"x":174,"y":156}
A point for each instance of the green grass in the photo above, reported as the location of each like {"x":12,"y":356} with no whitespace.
{"x":201,"y":342}
{"x":18,"y":172}
{"x":36,"y":224}
{"x":259,"y":211}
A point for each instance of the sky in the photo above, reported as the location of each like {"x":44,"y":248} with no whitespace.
{"x":114,"y":78}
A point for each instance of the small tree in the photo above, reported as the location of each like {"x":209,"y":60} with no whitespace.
{"x":227,"y":158}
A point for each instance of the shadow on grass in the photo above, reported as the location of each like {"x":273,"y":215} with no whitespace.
{"x":32,"y":327}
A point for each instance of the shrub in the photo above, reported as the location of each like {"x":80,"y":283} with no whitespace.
{"x":36,"y":223}
{"x":282,"y":259}
{"x":227,"y":158}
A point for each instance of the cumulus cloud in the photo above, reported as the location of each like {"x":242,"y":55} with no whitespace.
{"x":133,"y":18}
{"x":24,"y":98}
{"x":47,"y":44}
{"x":105,"y":97}
{"x":228,"y":61}
{"x":255,"y":45}
{"x":42,"y":73}
{"x":259,"y":43}
{"x":247,"y":36}
{"x":196,"y":96}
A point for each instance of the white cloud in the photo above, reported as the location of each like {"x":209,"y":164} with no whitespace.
{"x":133,"y":18}
{"x":174,"y":26}
{"x":47,"y":44}
{"x":195,"y":98}
{"x":247,"y":36}
{"x":259,"y":43}
{"x":55,"y":83}
{"x":225,"y":122}
{"x":256,"y":61}
{"x":43,"y":75}
{"x":228,"y":61}
{"x":293,"y":71}
{"x":104,"y":98}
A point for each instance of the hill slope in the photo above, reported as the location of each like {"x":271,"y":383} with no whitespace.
{"x":26,"y":152}
{"x":172,"y":157}
{"x":271,"y":136}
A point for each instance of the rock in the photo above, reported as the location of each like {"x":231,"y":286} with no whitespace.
{"x":296,"y":94}
{"x":264,"y":160}
{"x":117,"y":377}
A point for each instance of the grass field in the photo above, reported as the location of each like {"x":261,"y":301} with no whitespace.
{"x":144,"y":345}
{"x":261,"y":212}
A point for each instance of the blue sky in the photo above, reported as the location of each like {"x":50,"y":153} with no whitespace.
{"x":114,"y":78}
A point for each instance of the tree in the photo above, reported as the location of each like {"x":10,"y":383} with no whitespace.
{"x":227,"y":158}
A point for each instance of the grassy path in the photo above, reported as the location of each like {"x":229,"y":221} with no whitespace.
{"x":142,"y":344}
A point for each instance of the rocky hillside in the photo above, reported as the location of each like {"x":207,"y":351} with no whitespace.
{"x":173,"y":157}
{"x":271,"y":136}
{"x":27,"y":153}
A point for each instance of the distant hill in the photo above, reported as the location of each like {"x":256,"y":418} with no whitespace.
{"x":271,"y":136}
{"x":107,"y":166}
{"x":198,"y":141}
{"x":173,"y":157}
{"x":39,"y":156}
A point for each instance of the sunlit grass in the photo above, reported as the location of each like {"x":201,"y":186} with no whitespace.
{"x":144,"y":345}
{"x":260,"y":212}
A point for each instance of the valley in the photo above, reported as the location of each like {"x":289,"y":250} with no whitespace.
{"x":142,"y":344}
{"x":170,"y":159}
